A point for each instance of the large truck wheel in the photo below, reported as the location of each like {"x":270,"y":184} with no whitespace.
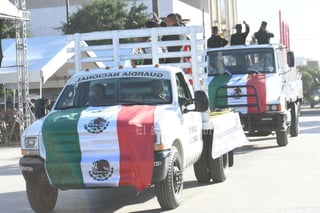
{"x":218,"y":168}
{"x":294,"y":127}
{"x":201,"y":167}
{"x":169,"y":191}
{"x":282,"y":137}
{"x":42,"y":196}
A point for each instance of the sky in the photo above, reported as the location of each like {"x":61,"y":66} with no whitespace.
{"x":302,"y":16}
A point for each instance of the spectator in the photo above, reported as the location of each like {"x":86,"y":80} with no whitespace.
{"x":172,"y":21}
{"x":239,"y":38}
{"x":158,"y":21}
{"x":216,"y":40}
{"x":262,"y":36}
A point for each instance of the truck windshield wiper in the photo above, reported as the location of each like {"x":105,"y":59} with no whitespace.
{"x":65,"y":107}
{"x":131,"y":102}
{"x":225,"y":72}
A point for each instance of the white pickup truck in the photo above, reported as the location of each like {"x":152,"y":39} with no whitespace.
{"x":144,"y":127}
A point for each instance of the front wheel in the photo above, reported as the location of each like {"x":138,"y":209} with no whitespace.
{"x":42,"y":196}
{"x":294,"y":127}
{"x":201,"y":167}
{"x":282,"y":137}
{"x":169,"y":191}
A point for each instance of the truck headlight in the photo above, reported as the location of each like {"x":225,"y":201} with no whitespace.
{"x":273,"y":107}
{"x":30,"y":146}
{"x":159,"y":142}
{"x":316,"y":98}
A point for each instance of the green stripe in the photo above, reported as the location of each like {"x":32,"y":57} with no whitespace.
{"x":213,"y":86}
{"x":61,"y":142}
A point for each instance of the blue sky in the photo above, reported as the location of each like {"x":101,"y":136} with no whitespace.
{"x":303,"y":18}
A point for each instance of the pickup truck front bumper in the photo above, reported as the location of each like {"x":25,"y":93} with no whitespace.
{"x":161,"y":165}
{"x":33,"y":168}
{"x":264,"y":122}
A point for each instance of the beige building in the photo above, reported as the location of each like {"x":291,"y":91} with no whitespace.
{"x":47,"y":15}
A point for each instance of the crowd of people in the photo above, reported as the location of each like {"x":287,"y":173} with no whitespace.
{"x":171,"y":20}
{"x":9,"y":126}
{"x":262,"y":36}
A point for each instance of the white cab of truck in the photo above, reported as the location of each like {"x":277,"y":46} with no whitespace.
{"x":261,"y":83}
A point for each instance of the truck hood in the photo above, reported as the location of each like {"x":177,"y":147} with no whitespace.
{"x":247,"y":93}
{"x":100,"y":146}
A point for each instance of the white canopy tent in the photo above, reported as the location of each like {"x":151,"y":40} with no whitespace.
{"x":47,"y":62}
{"x":9,"y":11}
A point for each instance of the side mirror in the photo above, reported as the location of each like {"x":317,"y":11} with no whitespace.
{"x":201,"y":101}
{"x":290,"y":59}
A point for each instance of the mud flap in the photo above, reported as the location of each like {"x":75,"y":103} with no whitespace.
{"x":228,"y":133}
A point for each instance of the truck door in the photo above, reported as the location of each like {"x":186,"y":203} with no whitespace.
{"x":190,"y":121}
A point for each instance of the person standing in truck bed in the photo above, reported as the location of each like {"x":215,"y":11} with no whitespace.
{"x":172,"y":21}
{"x":262,"y":36}
{"x":239,"y":38}
{"x":216,"y":40}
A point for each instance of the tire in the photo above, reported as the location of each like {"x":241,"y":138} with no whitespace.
{"x":169,"y":191}
{"x":218,"y":168}
{"x":312,"y":105}
{"x":42,"y":197}
{"x":201,"y":169}
{"x":294,"y":127}
{"x":282,"y":137}
{"x":231,"y":158}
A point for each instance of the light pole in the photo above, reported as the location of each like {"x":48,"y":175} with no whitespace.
{"x":67,"y":11}
{"x":155,"y":7}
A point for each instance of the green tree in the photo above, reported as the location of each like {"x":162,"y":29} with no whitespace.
{"x":7,"y":30}
{"x":136,"y":17}
{"x":310,"y":78}
{"x":105,"y":15}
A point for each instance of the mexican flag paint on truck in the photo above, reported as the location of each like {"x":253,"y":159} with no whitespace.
{"x":121,"y":155}
{"x":246,"y":93}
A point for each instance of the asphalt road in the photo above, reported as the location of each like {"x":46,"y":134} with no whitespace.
{"x":265,"y":178}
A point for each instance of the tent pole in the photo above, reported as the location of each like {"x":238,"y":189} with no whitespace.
{"x":5,"y":97}
{"x":41,"y":80}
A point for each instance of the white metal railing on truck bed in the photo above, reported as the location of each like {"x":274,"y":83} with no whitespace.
{"x":116,"y":48}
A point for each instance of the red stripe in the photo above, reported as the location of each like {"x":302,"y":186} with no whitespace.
{"x":135,"y":133}
{"x":259,"y":82}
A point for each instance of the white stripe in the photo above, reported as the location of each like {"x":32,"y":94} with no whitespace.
{"x":273,"y":88}
{"x":238,"y":80}
{"x":101,"y":146}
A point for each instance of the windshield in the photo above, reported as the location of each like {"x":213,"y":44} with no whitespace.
{"x":316,"y":91}
{"x":116,"y":91}
{"x":240,"y":61}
